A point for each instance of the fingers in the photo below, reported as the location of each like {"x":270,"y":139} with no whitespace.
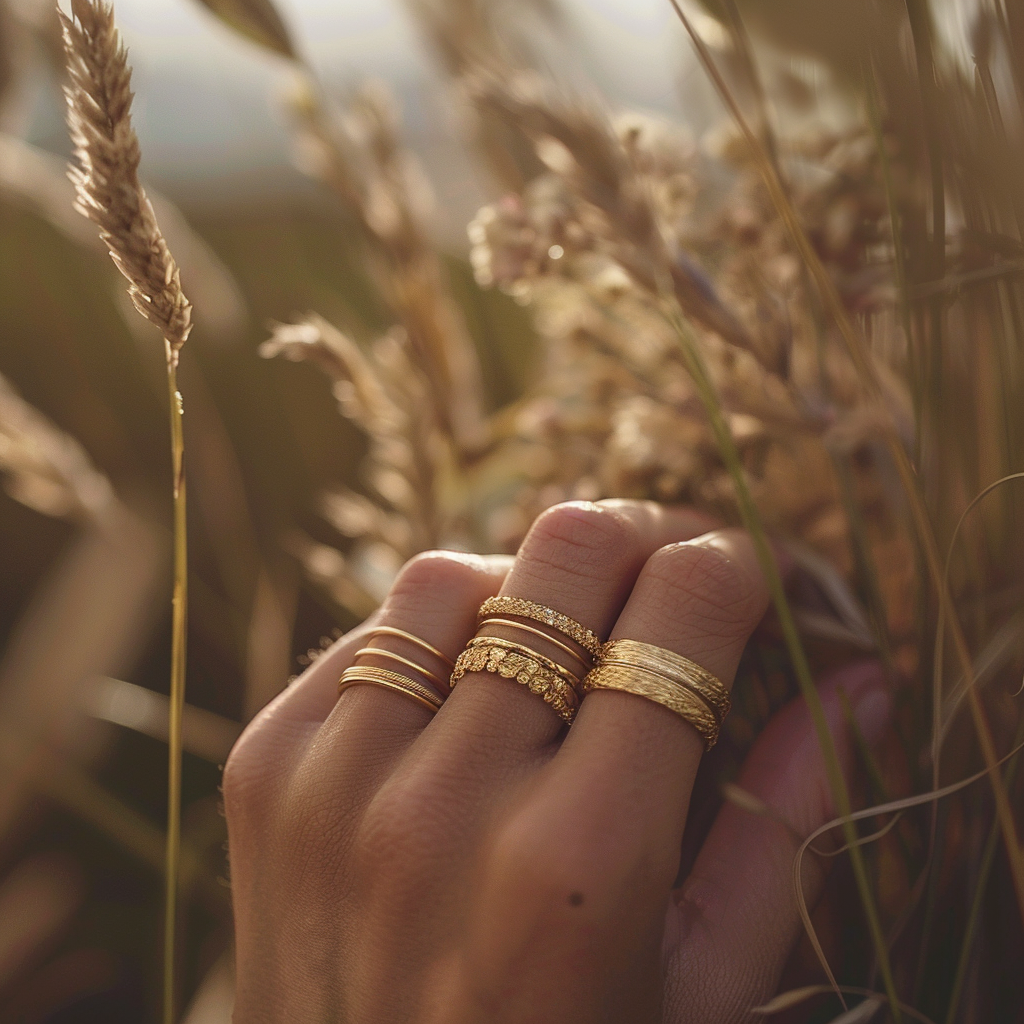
{"x":581,"y":873}
{"x":629,"y":756}
{"x":434,"y":597}
{"x":581,"y":559}
{"x":732,"y":925}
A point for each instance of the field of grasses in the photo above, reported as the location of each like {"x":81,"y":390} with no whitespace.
{"x":809,"y":321}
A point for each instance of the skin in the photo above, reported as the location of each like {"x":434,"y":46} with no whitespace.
{"x":486,"y":864}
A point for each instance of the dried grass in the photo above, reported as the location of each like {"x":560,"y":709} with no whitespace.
{"x":106,"y":177}
{"x":810,"y":325}
{"x":108,"y":193}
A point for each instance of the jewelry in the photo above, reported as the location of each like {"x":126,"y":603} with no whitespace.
{"x":375,"y":676}
{"x":380,"y":652}
{"x":512,"y":624}
{"x":634,"y":654}
{"x":656,"y":687}
{"x":566,"y":675}
{"x":586,"y":638}
{"x":538,"y":674}
{"x":419,"y":641}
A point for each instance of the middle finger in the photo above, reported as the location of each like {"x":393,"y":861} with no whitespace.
{"x":580,"y":559}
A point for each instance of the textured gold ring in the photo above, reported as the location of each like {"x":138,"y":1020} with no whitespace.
{"x":384,"y":677}
{"x":525,"y":666}
{"x":633,"y":653}
{"x":586,"y":638}
{"x":413,"y":639}
{"x":381,"y":652}
{"x":654,"y":686}
{"x":566,"y":675}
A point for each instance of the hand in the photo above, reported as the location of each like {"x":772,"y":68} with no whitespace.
{"x":488,"y":865}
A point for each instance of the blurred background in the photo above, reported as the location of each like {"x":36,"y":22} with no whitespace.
{"x":327,"y":160}
{"x":81,"y":693}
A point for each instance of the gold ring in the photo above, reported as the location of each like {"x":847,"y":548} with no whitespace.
{"x":380,"y":652}
{"x":567,"y":675}
{"x":419,"y":641}
{"x":586,"y":638}
{"x":384,"y":677}
{"x":513,"y":661}
{"x":654,"y":686}
{"x":634,"y":654}
{"x":554,"y":641}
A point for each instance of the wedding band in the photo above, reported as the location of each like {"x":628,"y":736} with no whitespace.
{"x":574,"y":630}
{"x":497,"y":620}
{"x":380,"y":652}
{"x":634,"y":654}
{"x":384,"y":677}
{"x":418,"y":641}
{"x":540,"y":675}
{"x":654,"y":686}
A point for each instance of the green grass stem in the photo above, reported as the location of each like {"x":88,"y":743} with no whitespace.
{"x":752,"y":521}
{"x":863,"y":363}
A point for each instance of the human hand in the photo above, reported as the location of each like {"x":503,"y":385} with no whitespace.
{"x":487,"y":865}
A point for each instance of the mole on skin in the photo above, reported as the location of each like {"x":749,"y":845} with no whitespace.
{"x":575,"y":899}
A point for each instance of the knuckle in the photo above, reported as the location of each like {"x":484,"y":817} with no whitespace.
{"x":433,"y":576}
{"x":584,"y":539}
{"x":706,"y":585}
{"x":258,"y":770}
{"x":400,"y":821}
{"x":242,"y":780}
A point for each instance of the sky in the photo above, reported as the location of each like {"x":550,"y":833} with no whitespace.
{"x":207,"y":103}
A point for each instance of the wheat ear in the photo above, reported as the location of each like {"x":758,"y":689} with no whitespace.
{"x":108,"y":192}
{"x":106,"y":177}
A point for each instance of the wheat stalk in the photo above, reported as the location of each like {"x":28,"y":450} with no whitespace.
{"x":108,"y":192}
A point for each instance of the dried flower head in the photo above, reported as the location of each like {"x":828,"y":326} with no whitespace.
{"x":106,"y":177}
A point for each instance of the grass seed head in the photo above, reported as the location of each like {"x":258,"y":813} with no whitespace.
{"x":105,"y":174}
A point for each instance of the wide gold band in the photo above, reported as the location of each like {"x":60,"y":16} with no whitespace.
{"x":384,"y":677}
{"x":509,"y":660}
{"x":634,"y":654}
{"x":654,"y":686}
{"x":574,"y":630}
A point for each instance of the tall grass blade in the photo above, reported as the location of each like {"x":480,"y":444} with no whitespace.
{"x":864,"y":364}
{"x":751,"y":519}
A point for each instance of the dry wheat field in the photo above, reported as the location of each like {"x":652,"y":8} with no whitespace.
{"x":801,"y":311}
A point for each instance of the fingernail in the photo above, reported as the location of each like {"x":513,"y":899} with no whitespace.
{"x":872,"y":710}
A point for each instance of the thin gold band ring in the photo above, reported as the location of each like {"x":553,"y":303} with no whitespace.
{"x":575,"y":631}
{"x":389,"y":680}
{"x":413,"y":639}
{"x":512,"y":624}
{"x":380,"y":652}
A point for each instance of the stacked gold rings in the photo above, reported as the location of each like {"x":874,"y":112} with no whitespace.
{"x":558,"y":686}
{"x":647,"y":671}
{"x":414,"y":688}
{"x":665,"y":677}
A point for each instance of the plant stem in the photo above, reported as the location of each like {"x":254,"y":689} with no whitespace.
{"x":864,"y":365}
{"x":752,"y":521}
{"x":178,"y":637}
